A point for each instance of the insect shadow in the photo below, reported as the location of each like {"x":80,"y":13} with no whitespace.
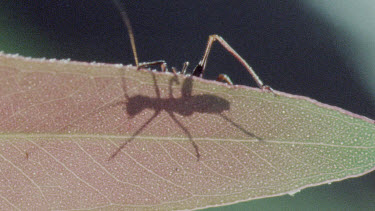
{"x":186,"y":105}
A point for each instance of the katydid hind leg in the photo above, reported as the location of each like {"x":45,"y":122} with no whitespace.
{"x":199,"y":70}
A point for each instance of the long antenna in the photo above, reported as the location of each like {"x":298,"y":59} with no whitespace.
{"x":126,"y":20}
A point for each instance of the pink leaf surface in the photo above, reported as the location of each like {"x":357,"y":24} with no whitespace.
{"x":90,"y":136}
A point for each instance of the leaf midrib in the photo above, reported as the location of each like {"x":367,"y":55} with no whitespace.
{"x":5,"y":136}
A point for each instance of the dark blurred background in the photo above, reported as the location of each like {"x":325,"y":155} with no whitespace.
{"x":300,"y":47}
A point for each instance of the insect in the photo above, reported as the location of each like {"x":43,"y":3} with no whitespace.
{"x":200,"y":68}
{"x":187,"y":104}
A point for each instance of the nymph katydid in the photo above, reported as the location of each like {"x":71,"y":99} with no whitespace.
{"x":187,"y":104}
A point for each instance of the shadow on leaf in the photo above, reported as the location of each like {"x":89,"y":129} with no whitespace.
{"x":185,"y":105}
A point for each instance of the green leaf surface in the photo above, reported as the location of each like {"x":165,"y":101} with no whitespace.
{"x":89,"y":136}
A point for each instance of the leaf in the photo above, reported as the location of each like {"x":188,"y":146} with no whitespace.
{"x":90,"y":136}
